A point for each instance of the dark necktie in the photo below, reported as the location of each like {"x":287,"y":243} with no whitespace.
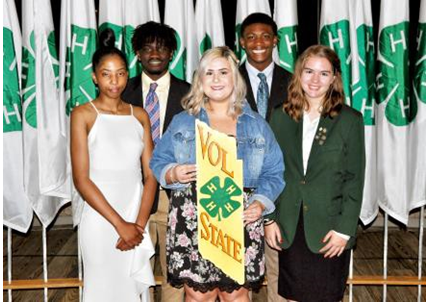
{"x":262,"y":95}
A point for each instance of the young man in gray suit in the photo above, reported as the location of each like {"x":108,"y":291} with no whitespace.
{"x":267,"y":86}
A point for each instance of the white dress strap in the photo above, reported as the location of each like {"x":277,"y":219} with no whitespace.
{"x":131,"y":109}
{"x":94,"y":107}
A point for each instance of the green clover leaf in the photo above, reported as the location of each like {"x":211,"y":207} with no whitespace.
{"x":79,"y":84}
{"x":393,"y":82}
{"x":220,"y":202}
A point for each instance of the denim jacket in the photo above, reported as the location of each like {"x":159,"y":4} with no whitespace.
{"x":263,"y":166}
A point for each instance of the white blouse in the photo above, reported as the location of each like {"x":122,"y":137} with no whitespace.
{"x":308,"y":133}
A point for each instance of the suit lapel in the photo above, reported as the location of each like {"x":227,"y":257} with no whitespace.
{"x":133,"y":93}
{"x":298,"y":146}
{"x":173,"y":103}
{"x":278,"y":90}
{"x":249,"y":93}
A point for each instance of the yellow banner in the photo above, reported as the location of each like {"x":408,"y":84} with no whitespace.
{"x":220,"y":201}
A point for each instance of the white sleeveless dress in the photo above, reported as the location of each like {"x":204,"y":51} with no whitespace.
{"x":115,"y":146}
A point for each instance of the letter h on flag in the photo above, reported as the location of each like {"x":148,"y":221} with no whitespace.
{"x":152,"y":107}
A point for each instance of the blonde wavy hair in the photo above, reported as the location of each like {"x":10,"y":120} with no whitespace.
{"x":196,"y":99}
{"x":334,"y":98}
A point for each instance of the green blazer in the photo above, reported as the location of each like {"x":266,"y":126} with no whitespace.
{"x":330,"y":193}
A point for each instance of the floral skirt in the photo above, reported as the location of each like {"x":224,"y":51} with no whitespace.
{"x":187,"y":266}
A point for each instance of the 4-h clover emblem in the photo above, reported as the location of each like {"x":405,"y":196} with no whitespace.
{"x":220,"y":202}
{"x":79,"y":85}
{"x":393,"y":83}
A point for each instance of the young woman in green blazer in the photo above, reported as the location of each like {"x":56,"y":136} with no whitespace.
{"x":315,"y":221}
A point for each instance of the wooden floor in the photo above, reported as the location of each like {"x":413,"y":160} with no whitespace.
{"x":62,"y":263}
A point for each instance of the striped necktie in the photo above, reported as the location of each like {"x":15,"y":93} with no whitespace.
{"x":152,"y":107}
{"x":262,"y":95}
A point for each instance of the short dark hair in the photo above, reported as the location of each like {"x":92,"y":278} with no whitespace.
{"x":258,"y":18}
{"x":106,"y":47}
{"x":152,"y":31}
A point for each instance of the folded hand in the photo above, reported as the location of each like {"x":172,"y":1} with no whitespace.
{"x":131,"y":235}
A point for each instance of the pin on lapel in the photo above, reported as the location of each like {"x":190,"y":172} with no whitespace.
{"x":321,"y":135}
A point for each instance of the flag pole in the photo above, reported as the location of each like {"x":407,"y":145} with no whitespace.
{"x":420,"y":252}
{"x":351,"y":276}
{"x":385,"y":255}
{"x":9,"y":262}
{"x":44,"y":235}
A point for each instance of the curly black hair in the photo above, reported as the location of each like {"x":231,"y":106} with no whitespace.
{"x":152,"y":31}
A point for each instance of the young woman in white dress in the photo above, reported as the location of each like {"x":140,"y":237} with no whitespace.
{"x":110,"y":147}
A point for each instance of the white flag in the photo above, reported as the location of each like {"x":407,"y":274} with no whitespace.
{"x":17,"y":212}
{"x":179,"y":14}
{"x":335,"y":33}
{"x":210,"y":28}
{"x":286,"y":17}
{"x":244,"y":9}
{"x":399,"y":189}
{"x":77,"y":45}
{"x":363,"y":97}
{"x":46,"y":169}
{"x":418,"y":126}
{"x":122,"y":16}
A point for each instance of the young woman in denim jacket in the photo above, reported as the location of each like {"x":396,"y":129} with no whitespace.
{"x":217,"y":98}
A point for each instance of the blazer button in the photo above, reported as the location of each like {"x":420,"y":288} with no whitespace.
{"x":305,"y":208}
{"x":303,"y":182}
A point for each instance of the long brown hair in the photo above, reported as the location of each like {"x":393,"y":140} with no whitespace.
{"x":334,"y":98}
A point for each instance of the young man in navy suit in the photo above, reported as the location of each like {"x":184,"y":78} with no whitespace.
{"x":154,"y":45}
{"x":267,"y":85}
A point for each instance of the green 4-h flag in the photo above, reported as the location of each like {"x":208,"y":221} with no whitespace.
{"x":335,"y":33}
{"x":286,"y":17}
{"x":123,"y":16}
{"x":179,"y":14}
{"x":209,"y":26}
{"x":363,"y":96}
{"x":46,"y":168}
{"x":401,"y":182}
{"x":17,"y":211}
{"x":244,"y":9}
{"x":77,"y":44}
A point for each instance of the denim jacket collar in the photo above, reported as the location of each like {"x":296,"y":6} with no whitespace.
{"x":246,"y":110}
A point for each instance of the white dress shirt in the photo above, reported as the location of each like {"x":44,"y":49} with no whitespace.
{"x":255,"y":80}
{"x":162,"y":92}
